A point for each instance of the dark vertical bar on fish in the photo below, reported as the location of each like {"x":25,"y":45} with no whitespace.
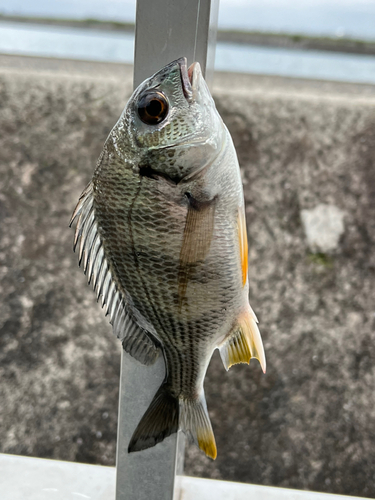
{"x":165,"y":30}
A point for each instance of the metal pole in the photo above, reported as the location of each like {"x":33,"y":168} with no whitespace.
{"x":165,"y":31}
{"x":169,"y":29}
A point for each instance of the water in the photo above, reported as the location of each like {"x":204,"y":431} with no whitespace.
{"x":354,"y":18}
{"x":74,"y":43}
{"x":69,"y":43}
{"x":296,"y":63}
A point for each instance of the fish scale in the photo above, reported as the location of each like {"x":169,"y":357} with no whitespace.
{"x":127,"y":267}
{"x":162,"y":237}
{"x":161,"y":293}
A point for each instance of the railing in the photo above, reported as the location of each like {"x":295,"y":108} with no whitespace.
{"x":165,"y":31}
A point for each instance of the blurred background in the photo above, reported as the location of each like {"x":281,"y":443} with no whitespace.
{"x":332,"y":39}
{"x":295,"y":86}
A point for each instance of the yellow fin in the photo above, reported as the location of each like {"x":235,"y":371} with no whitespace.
{"x":235,"y":350}
{"x":243,"y":343}
{"x":242,"y":237}
{"x":206,"y":442}
{"x":195,"y":422}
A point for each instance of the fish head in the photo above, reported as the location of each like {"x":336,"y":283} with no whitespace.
{"x":171,"y":122}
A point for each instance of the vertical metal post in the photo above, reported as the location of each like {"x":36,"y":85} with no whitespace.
{"x":165,"y":31}
{"x":169,"y":29}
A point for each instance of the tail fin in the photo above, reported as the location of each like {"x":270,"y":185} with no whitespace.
{"x":195,"y":422}
{"x":162,"y":419}
{"x":159,"y":421}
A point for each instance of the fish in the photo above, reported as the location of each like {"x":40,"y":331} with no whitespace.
{"x":161,"y":236}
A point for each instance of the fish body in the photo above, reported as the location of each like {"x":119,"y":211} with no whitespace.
{"x":162,"y":237}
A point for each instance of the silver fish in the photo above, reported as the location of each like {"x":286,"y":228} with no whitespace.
{"x":161,"y":233}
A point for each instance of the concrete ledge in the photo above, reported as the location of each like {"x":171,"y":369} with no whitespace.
{"x":229,"y":83}
{"x":37,"y":479}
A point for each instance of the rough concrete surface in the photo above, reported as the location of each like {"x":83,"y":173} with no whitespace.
{"x":309,"y":423}
{"x":323,"y":226}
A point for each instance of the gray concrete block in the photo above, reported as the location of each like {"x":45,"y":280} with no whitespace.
{"x":309,"y":422}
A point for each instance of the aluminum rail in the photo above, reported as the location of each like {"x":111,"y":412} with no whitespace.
{"x":165,"y":30}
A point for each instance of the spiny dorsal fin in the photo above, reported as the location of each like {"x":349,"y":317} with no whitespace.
{"x":243,"y":343}
{"x":135,"y":340}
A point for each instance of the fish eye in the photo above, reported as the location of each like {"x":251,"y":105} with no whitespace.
{"x":152,"y":107}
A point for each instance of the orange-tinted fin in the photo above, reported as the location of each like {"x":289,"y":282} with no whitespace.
{"x":243,"y":343}
{"x":196,"y":241}
{"x":195,"y":422}
{"x":242,"y":236}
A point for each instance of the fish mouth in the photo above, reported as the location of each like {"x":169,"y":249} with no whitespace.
{"x":188,"y":77}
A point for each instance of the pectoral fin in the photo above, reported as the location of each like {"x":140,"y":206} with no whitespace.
{"x":199,"y":227}
{"x":243,"y":343}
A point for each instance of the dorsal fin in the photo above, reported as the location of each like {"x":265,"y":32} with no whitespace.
{"x":138,"y":342}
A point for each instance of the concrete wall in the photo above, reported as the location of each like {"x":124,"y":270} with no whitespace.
{"x":309,"y":423}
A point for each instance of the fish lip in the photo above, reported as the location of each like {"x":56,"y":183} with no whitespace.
{"x":186,"y":78}
{"x":194,"y":74}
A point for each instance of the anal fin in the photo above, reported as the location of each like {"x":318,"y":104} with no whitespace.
{"x":243,"y":343}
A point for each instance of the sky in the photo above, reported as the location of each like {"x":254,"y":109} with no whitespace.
{"x":353,"y":18}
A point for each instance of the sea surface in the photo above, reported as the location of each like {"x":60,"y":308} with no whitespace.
{"x":77,"y":43}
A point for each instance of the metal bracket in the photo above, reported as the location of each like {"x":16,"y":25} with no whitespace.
{"x":165,"y":31}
